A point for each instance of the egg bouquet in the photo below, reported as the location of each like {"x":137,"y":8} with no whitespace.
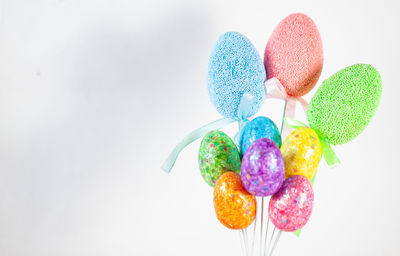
{"x":256,"y":166}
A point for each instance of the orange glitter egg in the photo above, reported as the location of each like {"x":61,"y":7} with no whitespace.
{"x":234,"y":206}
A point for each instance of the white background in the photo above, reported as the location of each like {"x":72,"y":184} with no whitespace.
{"x":94,"y":95}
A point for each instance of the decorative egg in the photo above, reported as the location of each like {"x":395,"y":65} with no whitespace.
{"x":345,"y":103}
{"x":259,"y":127}
{"x":294,"y":54}
{"x":290,"y":208}
{"x":235,"y":68}
{"x":234,"y":206}
{"x":263,"y":168}
{"x":301,"y":151}
{"x":217,"y":154}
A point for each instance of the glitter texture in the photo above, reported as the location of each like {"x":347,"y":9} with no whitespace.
{"x":301,"y":151}
{"x":259,"y":127}
{"x":217,"y":154}
{"x":263,"y":168}
{"x":294,"y":54}
{"x":290,"y":208}
{"x":234,"y":206}
{"x":234,"y":68}
{"x":345,"y":103}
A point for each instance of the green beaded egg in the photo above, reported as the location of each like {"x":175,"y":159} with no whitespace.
{"x":345,"y":103}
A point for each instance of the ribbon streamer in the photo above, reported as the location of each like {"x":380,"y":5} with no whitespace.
{"x":294,"y":123}
{"x":242,"y":113}
{"x":198,"y":133}
{"x":330,"y":157}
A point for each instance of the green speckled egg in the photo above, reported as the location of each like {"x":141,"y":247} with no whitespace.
{"x":345,"y":103}
{"x":217,"y":154}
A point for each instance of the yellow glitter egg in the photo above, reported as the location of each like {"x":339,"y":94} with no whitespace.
{"x":301,"y":151}
{"x":234,"y":206}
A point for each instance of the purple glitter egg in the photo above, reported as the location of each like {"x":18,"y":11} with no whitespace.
{"x":263,"y":168}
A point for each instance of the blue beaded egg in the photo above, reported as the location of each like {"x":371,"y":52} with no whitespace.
{"x":235,"y":68}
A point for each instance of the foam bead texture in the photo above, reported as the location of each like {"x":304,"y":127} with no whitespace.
{"x":345,"y":103}
{"x":234,"y":68}
{"x":294,"y":54}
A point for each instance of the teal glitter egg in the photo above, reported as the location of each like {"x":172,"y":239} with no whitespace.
{"x":345,"y":103}
{"x":259,"y":127}
{"x":217,"y":154}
